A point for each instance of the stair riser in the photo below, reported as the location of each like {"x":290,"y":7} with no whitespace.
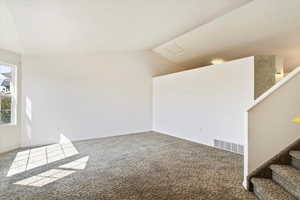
{"x":296,"y":163}
{"x":258,"y":195}
{"x":291,"y":188}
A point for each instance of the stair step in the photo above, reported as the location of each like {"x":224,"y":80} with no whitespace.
{"x":266,"y":189}
{"x":295,"y":158}
{"x":295,"y":154}
{"x":288,"y":177}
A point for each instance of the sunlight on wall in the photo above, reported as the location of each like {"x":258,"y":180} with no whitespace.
{"x":28,"y":108}
{"x":28,"y":119}
{"x":63,"y":139}
{"x":37,"y":157}
{"x":28,"y":131}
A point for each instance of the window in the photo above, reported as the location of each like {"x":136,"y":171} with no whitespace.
{"x":7,"y":94}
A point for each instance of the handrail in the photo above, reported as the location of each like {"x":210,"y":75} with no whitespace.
{"x":278,"y":85}
{"x":278,"y":128}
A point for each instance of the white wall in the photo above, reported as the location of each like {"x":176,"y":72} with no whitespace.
{"x":9,"y":37}
{"x":270,"y":127}
{"x":10,"y":134}
{"x":205,"y":103}
{"x":86,"y":96}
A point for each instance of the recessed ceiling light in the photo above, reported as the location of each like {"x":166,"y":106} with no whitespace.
{"x":217,"y":61}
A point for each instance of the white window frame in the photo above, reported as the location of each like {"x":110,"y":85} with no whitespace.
{"x":14,"y":94}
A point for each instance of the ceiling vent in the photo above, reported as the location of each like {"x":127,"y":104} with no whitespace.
{"x":174,"y":49}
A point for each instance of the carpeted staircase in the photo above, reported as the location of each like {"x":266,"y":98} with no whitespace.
{"x":285,"y":182}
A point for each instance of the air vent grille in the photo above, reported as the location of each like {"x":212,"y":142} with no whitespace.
{"x":228,"y":146}
{"x":174,"y":49}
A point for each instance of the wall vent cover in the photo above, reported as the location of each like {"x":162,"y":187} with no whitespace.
{"x":228,"y":146}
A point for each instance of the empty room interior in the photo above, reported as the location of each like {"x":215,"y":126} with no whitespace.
{"x":150,"y":100}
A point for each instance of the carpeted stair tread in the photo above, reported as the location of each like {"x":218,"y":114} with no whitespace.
{"x":295,"y":159}
{"x":289,"y":173}
{"x":295,"y":154}
{"x":288,"y":177}
{"x":266,"y":189}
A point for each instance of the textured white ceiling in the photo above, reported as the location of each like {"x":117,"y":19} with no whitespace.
{"x":109,"y":25}
{"x":261,"y":27}
{"x":196,"y":30}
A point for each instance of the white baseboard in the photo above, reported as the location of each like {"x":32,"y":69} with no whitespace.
{"x":24,"y":145}
{"x":10,"y":148}
{"x":245,"y":184}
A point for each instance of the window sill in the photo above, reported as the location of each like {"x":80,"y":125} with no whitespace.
{"x":8,"y":125}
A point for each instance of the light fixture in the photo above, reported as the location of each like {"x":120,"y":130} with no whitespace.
{"x":217,"y":61}
{"x":297,"y":120}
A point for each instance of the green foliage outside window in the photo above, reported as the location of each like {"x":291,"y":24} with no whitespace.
{"x":5,"y":111}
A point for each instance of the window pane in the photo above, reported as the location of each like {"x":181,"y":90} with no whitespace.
{"x":6,"y":94}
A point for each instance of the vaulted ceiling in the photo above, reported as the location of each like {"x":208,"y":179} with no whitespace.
{"x":108,"y":25}
{"x":261,"y":27}
{"x":189,"y":33}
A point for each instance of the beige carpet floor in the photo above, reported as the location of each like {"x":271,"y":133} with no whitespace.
{"x":145,"y":166}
